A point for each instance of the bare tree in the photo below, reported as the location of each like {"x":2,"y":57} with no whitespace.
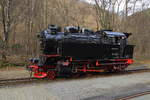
{"x":6,"y":23}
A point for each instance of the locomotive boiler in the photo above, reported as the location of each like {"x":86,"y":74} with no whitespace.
{"x":77,"y":51}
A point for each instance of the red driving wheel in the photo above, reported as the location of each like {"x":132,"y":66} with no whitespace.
{"x":51,"y":74}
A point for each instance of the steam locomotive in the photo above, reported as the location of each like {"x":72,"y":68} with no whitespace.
{"x":76,"y":51}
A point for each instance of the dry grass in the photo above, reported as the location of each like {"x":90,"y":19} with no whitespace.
{"x":14,"y":61}
{"x":13,"y":72}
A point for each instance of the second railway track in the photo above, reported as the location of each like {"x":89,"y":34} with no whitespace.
{"x":134,"y":95}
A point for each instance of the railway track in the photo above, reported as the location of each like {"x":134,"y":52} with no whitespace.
{"x":141,"y":69}
{"x":17,"y":81}
{"x":135,"y":95}
{"x":7,"y":82}
{"x":137,"y":71}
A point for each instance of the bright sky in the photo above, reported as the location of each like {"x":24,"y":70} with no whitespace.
{"x":140,"y":4}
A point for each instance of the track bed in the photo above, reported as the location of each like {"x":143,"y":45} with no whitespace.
{"x":102,"y":87}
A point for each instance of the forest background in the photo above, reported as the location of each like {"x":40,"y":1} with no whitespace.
{"x":22,"y":20}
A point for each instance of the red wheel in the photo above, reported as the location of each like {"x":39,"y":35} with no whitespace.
{"x":40,"y":74}
{"x":51,"y":74}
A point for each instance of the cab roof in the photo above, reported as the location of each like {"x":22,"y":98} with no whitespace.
{"x":111,"y":33}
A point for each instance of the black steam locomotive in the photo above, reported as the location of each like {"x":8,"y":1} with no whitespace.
{"x":76,"y":51}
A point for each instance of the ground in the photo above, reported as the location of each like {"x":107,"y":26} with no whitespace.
{"x":96,"y":88}
{"x":100,"y":88}
{"x":13,"y":72}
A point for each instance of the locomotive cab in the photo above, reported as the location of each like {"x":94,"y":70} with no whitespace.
{"x":114,"y":38}
{"x":118,"y":41}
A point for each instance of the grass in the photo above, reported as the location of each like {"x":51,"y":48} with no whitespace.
{"x":11,"y":64}
{"x":14,"y":61}
{"x":142,"y":61}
